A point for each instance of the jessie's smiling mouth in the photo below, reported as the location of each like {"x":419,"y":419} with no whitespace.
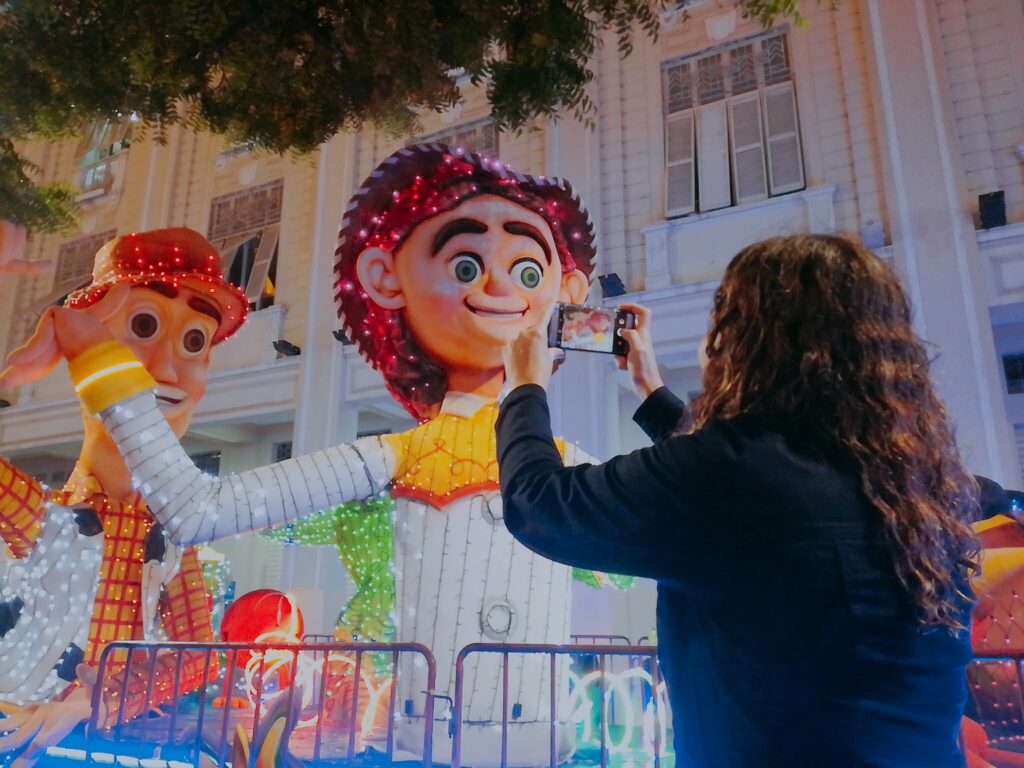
{"x":500,"y":314}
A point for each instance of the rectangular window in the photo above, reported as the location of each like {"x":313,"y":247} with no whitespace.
{"x":246,"y":211}
{"x":208,"y":463}
{"x":1013,"y":367}
{"x":245,"y":227}
{"x":251,"y":264}
{"x":732,"y":133}
{"x":96,"y":154}
{"x":479,"y":137}
{"x":75,"y":260}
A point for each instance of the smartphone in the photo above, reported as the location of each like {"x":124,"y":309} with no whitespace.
{"x":591,"y":329}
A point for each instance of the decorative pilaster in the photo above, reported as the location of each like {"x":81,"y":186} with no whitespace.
{"x":934,"y":243}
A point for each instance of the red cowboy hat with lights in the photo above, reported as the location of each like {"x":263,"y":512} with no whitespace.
{"x":176,"y":256}
{"x":412,"y":185}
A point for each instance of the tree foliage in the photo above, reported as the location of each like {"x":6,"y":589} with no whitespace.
{"x":42,"y":208}
{"x":289,"y":74}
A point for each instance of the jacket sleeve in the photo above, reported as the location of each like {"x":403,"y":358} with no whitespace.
{"x":661,"y":414}
{"x":638,"y":514}
{"x":22,"y":508}
{"x":994,"y":500}
{"x":195,"y":508}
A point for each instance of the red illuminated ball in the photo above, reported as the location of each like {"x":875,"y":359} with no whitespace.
{"x":257,"y":614}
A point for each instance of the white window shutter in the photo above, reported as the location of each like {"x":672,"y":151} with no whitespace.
{"x":785,"y":156}
{"x":713,"y":156}
{"x":750,"y":181}
{"x":680,"y":187}
{"x":261,"y":264}
{"x":227,"y":247}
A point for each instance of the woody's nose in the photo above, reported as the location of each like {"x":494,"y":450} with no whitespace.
{"x":161,"y":364}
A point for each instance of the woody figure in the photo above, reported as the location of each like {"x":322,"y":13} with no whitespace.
{"x":443,"y":259}
{"x":91,"y":564}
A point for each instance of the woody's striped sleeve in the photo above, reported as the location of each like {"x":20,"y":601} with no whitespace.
{"x":22,"y":505}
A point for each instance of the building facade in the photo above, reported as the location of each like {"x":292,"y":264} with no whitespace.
{"x":901,"y":123}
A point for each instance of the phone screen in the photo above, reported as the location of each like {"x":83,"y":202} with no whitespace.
{"x":590,"y":329}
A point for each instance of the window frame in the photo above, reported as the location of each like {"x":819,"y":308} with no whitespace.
{"x":758,"y":85}
{"x":98,"y":156}
{"x":451,"y":137}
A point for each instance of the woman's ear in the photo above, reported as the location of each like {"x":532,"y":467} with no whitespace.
{"x":376,"y":270}
{"x":574,"y":289}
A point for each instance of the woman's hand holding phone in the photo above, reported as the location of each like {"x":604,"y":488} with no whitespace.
{"x":528,"y":358}
{"x":639,"y":359}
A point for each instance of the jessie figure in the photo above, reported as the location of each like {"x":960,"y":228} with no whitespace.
{"x":92,"y":566}
{"x":443,"y":258}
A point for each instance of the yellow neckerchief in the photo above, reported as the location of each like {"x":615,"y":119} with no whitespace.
{"x":451,"y":456}
{"x":1000,"y":555}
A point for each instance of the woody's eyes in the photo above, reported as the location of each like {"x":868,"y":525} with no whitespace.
{"x":194,"y":341}
{"x":144,"y":324}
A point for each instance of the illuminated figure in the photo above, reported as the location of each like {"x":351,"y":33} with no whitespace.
{"x":91,"y":566}
{"x":443,"y":258}
{"x":363,"y":534}
{"x":992,"y":738}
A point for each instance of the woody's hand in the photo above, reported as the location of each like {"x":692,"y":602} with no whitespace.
{"x":62,"y":333}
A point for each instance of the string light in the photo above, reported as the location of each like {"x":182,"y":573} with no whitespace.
{"x":363,"y":533}
{"x":50,"y":621}
{"x":217,"y":583}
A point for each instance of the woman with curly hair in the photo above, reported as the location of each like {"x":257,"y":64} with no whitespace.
{"x":807,"y":520}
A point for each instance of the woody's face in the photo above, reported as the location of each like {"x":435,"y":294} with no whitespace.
{"x":469,"y":280}
{"x":171,"y":336}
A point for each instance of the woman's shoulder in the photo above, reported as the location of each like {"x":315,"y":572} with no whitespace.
{"x":785,"y":458}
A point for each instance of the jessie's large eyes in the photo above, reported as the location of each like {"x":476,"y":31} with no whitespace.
{"x":194,"y":341}
{"x":528,"y":273}
{"x":466,"y":267}
{"x":144,"y":324}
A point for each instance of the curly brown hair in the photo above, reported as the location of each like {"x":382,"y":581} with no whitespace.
{"x":816,"y":330}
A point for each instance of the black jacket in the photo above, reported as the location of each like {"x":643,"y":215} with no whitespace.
{"x":784,"y":635}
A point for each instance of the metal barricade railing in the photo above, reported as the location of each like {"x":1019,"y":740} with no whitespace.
{"x":600,"y":639}
{"x":312,"y":637}
{"x":134,"y":676}
{"x":553,"y":652}
{"x":584,"y":640}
